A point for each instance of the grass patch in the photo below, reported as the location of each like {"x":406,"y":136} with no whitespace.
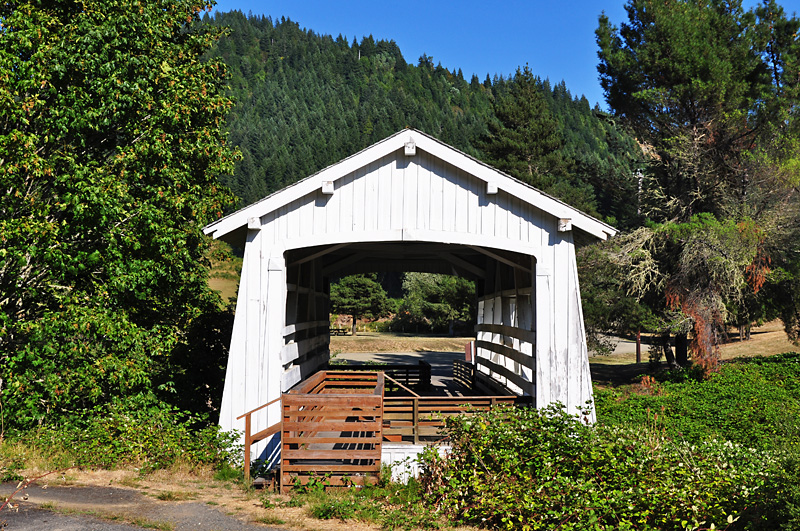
{"x":171,"y":495}
{"x":388,"y":505}
{"x":225,"y":472}
{"x":153,"y":524}
{"x":270,"y":520}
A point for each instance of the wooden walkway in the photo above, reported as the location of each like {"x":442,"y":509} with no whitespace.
{"x":334,"y":424}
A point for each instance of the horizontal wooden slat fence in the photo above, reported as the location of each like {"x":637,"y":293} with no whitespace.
{"x":500,"y":367}
{"x":334,"y":423}
{"x":332,"y":427}
{"x":464,"y":374}
{"x":417,"y":376}
{"x":420,"y":419}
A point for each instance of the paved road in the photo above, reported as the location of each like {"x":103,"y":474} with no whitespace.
{"x":115,"y":505}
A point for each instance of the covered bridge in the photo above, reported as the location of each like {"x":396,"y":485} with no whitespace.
{"x":408,"y":203}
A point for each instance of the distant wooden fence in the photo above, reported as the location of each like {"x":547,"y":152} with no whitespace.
{"x":417,"y":376}
{"x":464,"y":374}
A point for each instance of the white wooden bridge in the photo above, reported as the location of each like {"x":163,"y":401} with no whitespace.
{"x":408,"y":203}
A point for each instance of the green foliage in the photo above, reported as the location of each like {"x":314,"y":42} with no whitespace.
{"x":720,"y":129}
{"x":607,"y":307}
{"x":753,"y":402}
{"x":390,"y":505}
{"x":525,"y":141}
{"x":10,"y":472}
{"x":111,"y":143}
{"x":226,"y":472}
{"x":543,"y":137}
{"x":435,"y":303}
{"x":542,"y":469}
{"x":149,"y":438}
{"x":359,"y":296}
{"x":305,"y":101}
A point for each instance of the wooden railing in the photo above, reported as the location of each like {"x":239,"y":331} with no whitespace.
{"x":332,"y":427}
{"x":251,"y":438}
{"x":464,"y":374}
{"x":420,"y":419}
{"x":417,"y":376}
{"x":334,"y":423}
{"x":495,"y":376}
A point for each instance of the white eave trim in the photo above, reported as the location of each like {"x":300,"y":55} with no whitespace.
{"x":491,"y":176}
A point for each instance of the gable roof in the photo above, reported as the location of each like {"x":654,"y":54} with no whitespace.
{"x":240,"y":219}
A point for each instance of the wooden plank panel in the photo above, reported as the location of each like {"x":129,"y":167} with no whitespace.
{"x":332,"y":206}
{"x":331,"y":440}
{"x":330,"y":468}
{"x":423,"y":192}
{"x":519,"y":333}
{"x":332,"y":426}
{"x":449,"y":198}
{"x":371,"y":197}
{"x":437,"y":194}
{"x":319,"y":214}
{"x":488,"y":211}
{"x":329,"y":412}
{"x":514,"y":220}
{"x":364,"y":401}
{"x":385,"y":193}
{"x":505,"y":372}
{"x":329,"y":454}
{"x":508,"y":352}
{"x":310,"y":382}
{"x":461,"y":202}
{"x":501,"y":215}
{"x":294,"y":350}
{"x":472,"y":203}
{"x":410,"y":193}
{"x":485,"y":383}
{"x":299,"y":327}
{"x":347,"y":203}
{"x":395,"y":212}
{"x":358,"y":205}
{"x":254,"y":325}
{"x":334,"y":480}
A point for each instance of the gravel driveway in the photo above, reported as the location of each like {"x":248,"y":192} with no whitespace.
{"x":76,"y":507}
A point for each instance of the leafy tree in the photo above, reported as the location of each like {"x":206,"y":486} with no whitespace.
{"x":436,"y":302}
{"x":720,"y":129}
{"x":110,"y":146}
{"x":607,"y":307}
{"x":359,"y":296}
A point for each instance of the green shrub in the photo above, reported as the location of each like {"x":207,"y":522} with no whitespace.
{"x":754,"y":402}
{"x":150,"y":438}
{"x":544,"y":469}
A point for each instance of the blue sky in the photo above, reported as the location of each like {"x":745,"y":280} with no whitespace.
{"x":556,"y":38}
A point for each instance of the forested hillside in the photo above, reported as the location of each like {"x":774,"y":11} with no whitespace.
{"x":305,"y":101}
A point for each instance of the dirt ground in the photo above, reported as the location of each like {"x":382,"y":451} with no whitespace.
{"x":391,"y":342}
{"x":166,"y":500}
{"x":621,"y":367}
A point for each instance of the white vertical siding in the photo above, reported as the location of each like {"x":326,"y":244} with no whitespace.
{"x":421,"y":198}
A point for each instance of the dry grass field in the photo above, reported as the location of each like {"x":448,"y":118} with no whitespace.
{"x":225,"y":271}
